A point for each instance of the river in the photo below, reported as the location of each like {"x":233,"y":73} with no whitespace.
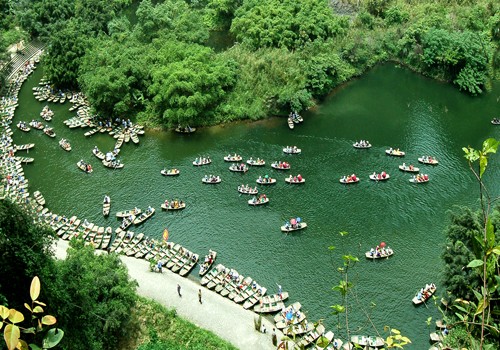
{"x":389,"y":106}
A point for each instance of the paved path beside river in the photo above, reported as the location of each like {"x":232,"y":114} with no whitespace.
{"x":217,"y":314}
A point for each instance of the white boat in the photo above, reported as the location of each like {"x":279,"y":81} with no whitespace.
{"x":428,"y":160}
{"x":202,"y":161}
{"x":295,"y":179}
{"x":362,"y":144}
{"x":173,"y":205}
{"x":394,"y":152}
{"x":238,"y":168}
{"x":96,"y":152}
{"x":125,"y":213}
{"x":65,"y":145}
{"x":291,"y":150}
{"x":409,"y":168}
{"x":383,"y":176}
{"x":495,"y":121}
{"x":424,"y":294}
{"x":290,"y":123}
{"x":419,"y":178}
{"x":280,"y":165}
{"x":113,"y":164}
{"x":84,"y":166}
{"x":367,"y":341}
{"x":233,"y":158}
{"x":39,"y":197}
{"x":170,"y":172}
{"x":106,"y":205}
{"x":49,"y":132}
{"x":144,"y":216}
{"x":256,"y":162}
{"x":211,"y":179}
{"x":23,"y":127}
{"x":258,"y":201}
{"x":380,"y":253}
{"x":293,"y":227}
{"x":247,"y":190}
{"x":265,"y":181}
{"x":351,"y":179}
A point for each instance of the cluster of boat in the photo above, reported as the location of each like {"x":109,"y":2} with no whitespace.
{"x":294,"y":118}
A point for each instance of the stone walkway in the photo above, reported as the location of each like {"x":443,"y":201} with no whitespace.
{"x":217,"y":314}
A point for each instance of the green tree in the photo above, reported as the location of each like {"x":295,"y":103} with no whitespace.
{"x":94,"y":296}
{"x":26,"y":252}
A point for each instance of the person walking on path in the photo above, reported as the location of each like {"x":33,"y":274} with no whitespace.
{"x":179,"y":290}
{"x":199,"y":296}
{"x":274,"y":338}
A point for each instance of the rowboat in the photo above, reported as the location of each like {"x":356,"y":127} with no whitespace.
{"x":106,"y":205}
{"x":265,"y":180}
{"x":312,"y":336}
{"x":120,"y":140}
{"x":173,"y":205}
{"x":211,"y":179}
{"x":188,"y":266}
{"x":210,"y":277}
{"x":428,"y":160}
{"x":258,"y":201}
{"x":144,"y":216}
{"x":280,"y":165}
{"x":24,"y":147}
{"x":233,"y":158}
{"x":295,"y":179}
{"x":185,"y":130}
{"x":366,"y":341}
{"x":258,"y":162}
{"x":269,"y":308}
{"x":127,"y":137}
{"x":350,"y":179}
{"x":202,"y":161}
{"x":37,"y":124}
{"x":409,"y":168}
{"x":419,"y":178}
{"x":134,"y":138}
{"x":23,"y":127}
{"x":65,"y":145}
{"x":258,"y":294}
{"x":288,"y":227}
{"x":291,"y":150}
{"x":247,"y":190}
{"x":326,"y":339}
{"x":127,"y":222}
{"x":290,"y":123}
{"x":394,"y":152}
{"x":120,"y":235}
{"x":238,"y":168}
{"x":113,"y":164}
{"x":298,"y":329}
{"x":84,"y":166}
{"x":361,"y":144}
{"x":379,"y":253}
{"x":383,"y":176}
{"x":424,"y":294}
{"x":125,"y":213}
{"x":49,"y":132}
{"x":170,"y":172}
{"x":39,"y":197}
{"x":495,"y":121}
{"x":98,"y":153}
{"x":207,"y":262}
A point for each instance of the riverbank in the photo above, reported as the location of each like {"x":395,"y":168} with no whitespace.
{"x":216,"y":313}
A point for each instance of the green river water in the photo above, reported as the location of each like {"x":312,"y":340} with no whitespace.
{"x":389,"y":106}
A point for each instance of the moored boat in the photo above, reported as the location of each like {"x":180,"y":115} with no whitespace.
{"x":170,"y":172}
{"x":290,"y":123}
{"x":113,"y":164}
{"x":428,"y":160}
{"x":409,"y":168}
{"x":383,"y":176}
{"x":295,"y":179}
{"x":184,"y":130}
{"x":419,"y":178}
{"x":96,"y":152}
{"x":39,"y":197}
{"x":258,"y":201}
{"x":125,"y":213}
{"x":211,"y":179}
{"x":291,"y":150}
{"x":85,"y":167}
{"x":367,"y":341}
{"x":349,"y":179}
{"x":208,"y":262}
{"x":312,"y":336}
{"x":424,"y":293}
{"x":495,"y":121}
{"x":394,"y":152}
{"x":65,"y":145}
{"x":362,"y":144}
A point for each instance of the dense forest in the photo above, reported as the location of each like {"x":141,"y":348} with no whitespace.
{"x":162,"y":66}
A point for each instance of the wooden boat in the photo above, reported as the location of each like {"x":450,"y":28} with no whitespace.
{"x":202,"y":161}
{"x":233,"y":158}
{"x":428,"y":160}
{"x":409,"y":169}
{"x":127,"y":222}
{"x":96,"y":152}
{"x":144,"y":216}
{"x":65,"y":145}
{"x":258,"y":162}
{"x":24,"y":147}
{"x":84,"y":166}
{"x":113,"y":164}
{"x":258,"y":293}
{"x":211,"y":180}
{"x":106,"y":205}
{"x":326,"y":339}
{"x":265,"y":181}
{"x":419,"y":179}
{"x":39,"y":197}
{"x":37,"y":124}
{"x":380,"y":177}
{"x":247,"y":190}
{"x":208,"y":262}
{"x":185,"y":130}
{"x":269,"y":308}
{"x":365,"y":341}
{"x":134,"y":138}
{"x":295,"y":180}
{"x":424,"y":294}
{"x":119,"y":142}
{"x":291,"y":228}
{"x":170,"y":172}
{"x":280,"y":166}
{"x":291,"y":150}
{"x":132,"y":249}
{"x":120,"y":235}
{"x":212,"y":275}
{"x":379,"y":254}
{"x":290,"y":123}
{"x":349,"y":179}
{"x":23,"y":127}
{"x":362,"y":144}
{"x":127,"y":137}
{"x":495,"y":121}
{"x":238,"y":168}
{"x":125,"y":213}
{"x":188,"y":266}
{"x":298,"y":329}
{"x":293,"y":309}
{"x":173,"y":205}
{"x":49,"y":132}
{"x":258,"y":201}
{"x":394,"y":152}
{"x":313,"y":335}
